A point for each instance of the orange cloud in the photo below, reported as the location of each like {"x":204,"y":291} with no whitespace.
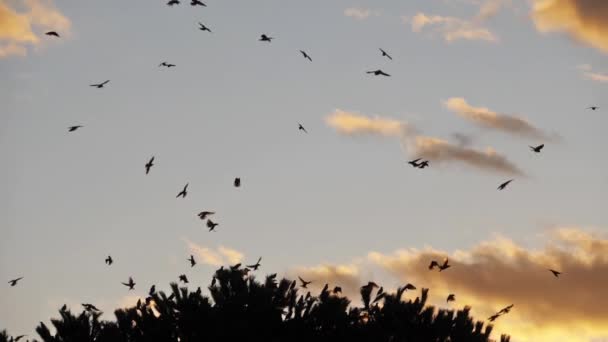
{"x":20,"y":28}
{"x":350,"y":123}
{"x":215,"y":257}
{"x":346,"y":276}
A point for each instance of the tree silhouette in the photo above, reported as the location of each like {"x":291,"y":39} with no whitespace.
{"x":240,"y":307}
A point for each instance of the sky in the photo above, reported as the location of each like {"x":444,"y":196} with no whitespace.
{"x":473,"y":84}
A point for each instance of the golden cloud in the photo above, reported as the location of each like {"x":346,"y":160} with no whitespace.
{"x":21,"y":29}
{"x":346,"y":276}
{"x":583,"y":20}
{"x":218,"y":257}
{"x":356,"y":124}
{"x":452,"y":28}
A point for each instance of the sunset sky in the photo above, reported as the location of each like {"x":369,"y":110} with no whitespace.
{"x":473,"y":84}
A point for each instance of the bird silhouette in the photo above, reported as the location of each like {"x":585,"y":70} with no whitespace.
{"x":537,"y":148}
{"x":130,"y":284}
{"x":14,"y":281}
{"x":423,"y":164}
{"x":441,"y":267}
{"x":504,"y":185}
{"x":265,"y":38}
{"x":149,"y":165}
{"x":378,"y":73}
{"x":184,"y":192}
{"x":493,"y":317}
{"x":204,"y":214}
{"x":173,"y":2}
{"x":414,"y":162}
{"x":152,"y":290}
{"x":211,"y":225}
{"x":256,"y":265}
{"x":451,"y":298}
{"x":89,"y":307}
{"x":235,"y":267}
{"x":17,"y":338}
{"x":337,"y":289}
{"x":100,"y":85}
{"x":555,"y":273}
{"x":410,"y":287}
{"x":505,"y":310}
{"x":385,"y":54}
{"x":165,"y":64}
{"x":192,"y":261}
{"x":109,"y":260}
{"x":183,"y":278}
{"x":202,"y":27}
{"x":301,"y":128}
{"x":304,"y":283}
{"x":237,"y":182}
{"x":73,"y":128}
{"x":63,"y":308}
{"x":305,"y":55}
{"x":52,"y":33}
{"x":593,"y":108}
{"x":197,"y":3}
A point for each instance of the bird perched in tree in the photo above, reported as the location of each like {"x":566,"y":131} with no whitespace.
{"x":504,"y":185}
{"x":149,"y":165}
{"x":337,"y":289}
{"x":183,"y":278}
{"x":305,"y":55}
{"x":265,"y":38}
{"x":256,"y":265}
{"x":52,"y":33}
{"x":192,"y":261}
{"x":100,"y":85}
{"x":451,"y":298}
{"x":237,"y":182}
{"x":385,"y":54}
{"x":165,"y":64}
{"x":304,"y":283}
{"x":378,"y":73}
{"x":204,"y":214}
{"x":14,"y":281}
{"x":90,"y":307}
{"x":555,"y":273}
{"x":130,"y":284}
{"x":197,"y":3}
{"x":109,"y":260}
{"x":73,"y":128}
{"x":537,"y":148}
{"x":184,"y":191}
{"x":152,"y":290}
{"x":211,"y":225}
{"x":301,"y":128}
{"x":202,"y":27}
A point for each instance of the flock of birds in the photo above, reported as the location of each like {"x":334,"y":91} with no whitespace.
{"x":211,"y":225}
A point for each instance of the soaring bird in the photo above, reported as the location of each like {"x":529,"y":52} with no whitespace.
{"x":211,"y":225}
{"x":149,"y":165}
{"x":165,"y":64}
{"x":301,"y":128}
{"x":14,"y":281}
{"x":202,"y":27}
{"x":109,"y":260}
{"x":304,"y":283}
{"x":593,"y":108}
{"x":504,"y":185}
{"x":423,"y":164}
{"x":173,"y":2}
{"x":237,"y":182}
{"x":52,"y":33}
{"x":17,"y":338}
{"x":203,"y":214}
{"x":256,"y":265}
{"x":445,"y":265}
{"x":184,"y":192}
{"x":537,"y":148}
{"x":555,"y":273}
{"x":451,"y":298}
{"x":265,"y":38}
{"x":493,"y":317}
{"x":89,"y":307}
{"x":130,"y":284}
{"x":337,"y":289}
{"x":409,"y":287}
{"x":100,"y":85}
{"x":385,"y":54}
{"x":192,"y":261}
{"x":414,"y":162}
{"x":505,"y":310}
{"x":378,"y":73}
{"x":73,"y":128}
{"x":197,"y":3}
{"x":305,"y":55}
{"x":152,"y":290}
{"x":183,"y":278}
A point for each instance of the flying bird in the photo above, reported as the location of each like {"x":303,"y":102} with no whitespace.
{"x":304,"y":283}
{"x":165,"y":64}
{"x":130,"y":284}
{"x":192,"y":261}
{"x":505,"y":310}
{"x":256,"y":265}
{"x":593,"y":108}
{"x":202,"y":27}
{"x":197,"y":3}
{"x":109,"y":260}
{"x":52,"y":33}
{"x":414,"y":162}
{"x":385,"y":54}
{"x":149,"y":165}
{"x":173,"y":2}
{"x":555,"y":273}
{"x":211,"y":225}
{"x":423,"y":164}
{"x":504,"y":185}
{"x":305,"y":55}
{"x":184,"y":192}
{"x":237,"y":182}
{"x":203,"y":214}
{"x":493,"y":317}
{"x":90,"y":307}
{"x":409,"y":287}
{"x":183,"y":278}
{"x":100,"y":85}
{"x":537,"y":148}
{"x":378,"y":73}
{"x":441,"y":267}
{"x":301,"y":128}
{"x":73,"y":128}
{"x":451,"y":298}
{"x":265,"y":38}
{"x":14,"y":281}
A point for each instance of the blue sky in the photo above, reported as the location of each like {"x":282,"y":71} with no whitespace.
{"x":231,"y":109}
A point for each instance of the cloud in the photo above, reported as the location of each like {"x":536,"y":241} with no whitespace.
{"x":583,"y":20}
{"x":490,"y":8}
{"x":360,"y":13}
{"x":452,"y":28}
{"x":501,"y":122}
{"x":501,"y":272}
{"x":218,"y":257}
{"x":589,"y":74}
{"x":346,"y":276}
{"x":20,"y":27}
{"x":350,"y":123}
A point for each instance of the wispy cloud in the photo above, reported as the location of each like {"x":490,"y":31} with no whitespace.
{"x":583,"y":20}
{"x":21,"y":26}
{"x":360,"y":13}
{"x":452,"y":28}
{"x":351,"y":123}
{"x":214,"y":257}
{"x":346,"y":276}
{"x":487,"y":118}
{"x":589,"y":74}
